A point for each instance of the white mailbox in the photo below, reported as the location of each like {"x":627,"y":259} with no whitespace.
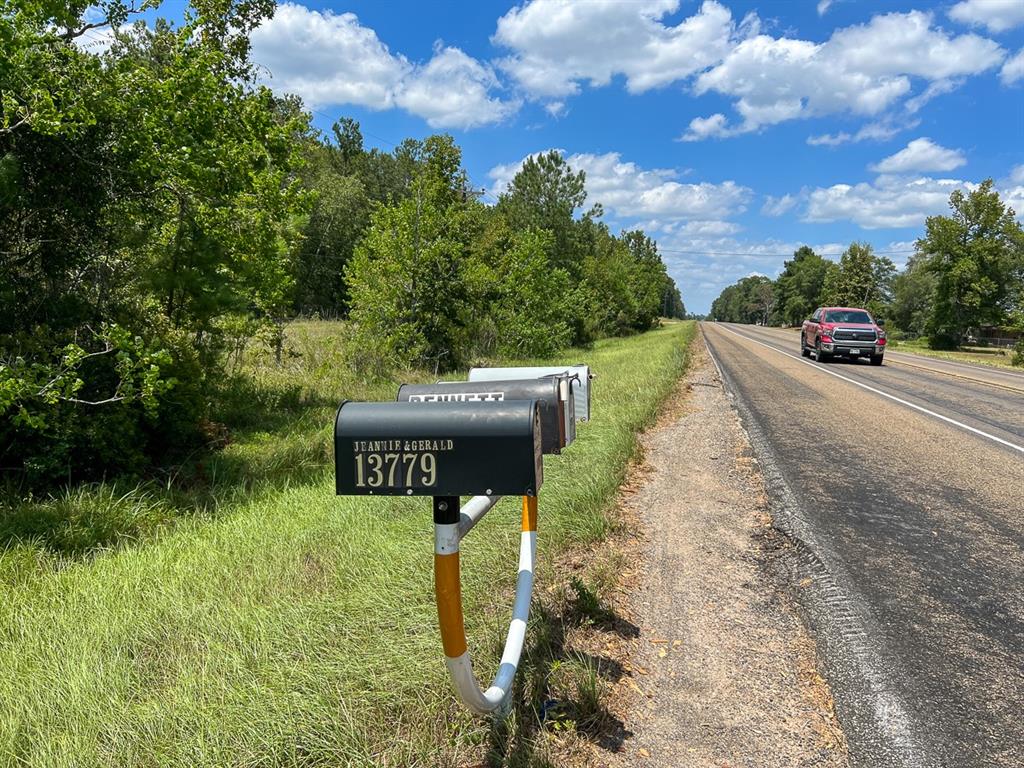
{"x":579,"y":378}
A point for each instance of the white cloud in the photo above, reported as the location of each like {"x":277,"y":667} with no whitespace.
{"x":921,"y":155}
{"x":864,"y":69}
{"x":558,"y":44}
{"x":1014,"y":198}
{"x":777,"y":206}
{"x":1017,"y":174}
{"x":890,"y":201}
{"x":1013,"y":69}
{"x":996,"y":15}
{"x":713,"y":126}
{"x":823,"y":6}
{"x":937,"y":88}
{"x":452,"y":91}
{"x":555,"y":108}
{"x":703,"y":266}
{"x":629,"y":191}
{"x":329,"y":58}
{"x":707,"y":228}
{"x":882,"y":131}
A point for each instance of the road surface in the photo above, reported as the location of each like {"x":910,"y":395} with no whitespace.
{"x":903,"y":486}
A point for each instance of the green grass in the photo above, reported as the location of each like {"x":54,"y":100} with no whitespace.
{"x":281,"y":625}
{"x":996,"y":358}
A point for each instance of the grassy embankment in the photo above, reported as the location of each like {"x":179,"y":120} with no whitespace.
{"x":997,"y":358}
{"x":279,"y":624}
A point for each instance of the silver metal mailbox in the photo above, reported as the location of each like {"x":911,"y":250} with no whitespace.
{"x":580,"y":385}
{"x":548,"y":392}
{"x":567,"y":402}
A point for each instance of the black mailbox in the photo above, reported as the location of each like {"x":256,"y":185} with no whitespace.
{"x":545,"y":392}
{"x":438,"y":449}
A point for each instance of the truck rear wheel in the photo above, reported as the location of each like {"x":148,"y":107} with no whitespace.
{"x":876,"y":359}
{"x":805,"y":351}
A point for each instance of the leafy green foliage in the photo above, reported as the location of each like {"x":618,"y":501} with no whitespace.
{"x":147,"y":193}
{"x":544,"y":194}
{"x":749,"y":300}
{"x":798,"y":289}
{"x":535,"y":302}
{"x":913,"y":295}
{"x":862,"y":279}
{"x":439,"y":278}
{"x":976,"y":255}
{"x":157,"y":194}
{"x":409,"y":280}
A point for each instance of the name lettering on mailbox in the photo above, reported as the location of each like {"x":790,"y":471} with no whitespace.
{"x":398,"y":463}
{"x":458,"y":397}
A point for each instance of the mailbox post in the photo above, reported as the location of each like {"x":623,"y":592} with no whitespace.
{"x":446,"y":450}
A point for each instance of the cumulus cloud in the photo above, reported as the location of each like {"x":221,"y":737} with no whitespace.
{"x":626,"y":190}
{"x":777,"y":206}
{"x":864,"y":69}
{"x":329,"y":58}
{"x":558,"y":44}
{"x":1013,"y":69}
{"x":889,"y":201}
{"x":996,"y":15}
{"x":921,"y":155}
{"x":713,"y":126}
{"x":452,"y":90}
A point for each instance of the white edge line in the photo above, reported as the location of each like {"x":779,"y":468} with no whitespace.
{"x":899,"y":400}
{"x":712,"y":356}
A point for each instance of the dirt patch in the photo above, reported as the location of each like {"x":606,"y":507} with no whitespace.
{"x":720,"y":671}
{"x":675,"y":642}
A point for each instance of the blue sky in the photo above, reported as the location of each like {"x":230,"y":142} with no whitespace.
{"x":731,"y":131}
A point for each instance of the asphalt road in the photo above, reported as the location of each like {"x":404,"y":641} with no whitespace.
{"x":903,"y":489}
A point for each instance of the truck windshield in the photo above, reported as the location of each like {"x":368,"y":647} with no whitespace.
{"x":847,"y":316}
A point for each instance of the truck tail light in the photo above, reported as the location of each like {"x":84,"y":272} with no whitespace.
{"x":881,"y":341}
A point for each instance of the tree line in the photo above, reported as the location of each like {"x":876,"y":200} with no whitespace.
{"x":966,"y":275}
{"x":160,"y":210}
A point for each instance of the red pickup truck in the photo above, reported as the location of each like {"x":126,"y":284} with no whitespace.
{"x":842,"y":332}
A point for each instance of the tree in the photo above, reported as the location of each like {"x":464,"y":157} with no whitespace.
{"x":862,"y":280}
{"x":544,"y":194}
{"x":340,"y":216}
{"x":410,"y":283}
{"x":146,"y":196}
{"x":648,"y":279}
{"x":535,"y":300}
{"x":913,"y":296}
{"x":798,"y":289}
{"x":975,"y":254}
{"x":749,"y":300}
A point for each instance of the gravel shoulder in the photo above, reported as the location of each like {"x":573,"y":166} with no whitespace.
{"x":722,"y":672}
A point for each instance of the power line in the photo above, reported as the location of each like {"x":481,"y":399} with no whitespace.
{"x":766,"y":255}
